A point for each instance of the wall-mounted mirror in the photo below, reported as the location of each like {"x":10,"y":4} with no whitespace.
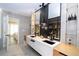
{"x":53,"y":10}
{"x":37,"y":23}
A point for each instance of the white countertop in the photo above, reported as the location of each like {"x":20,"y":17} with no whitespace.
{"x":41,"y":40}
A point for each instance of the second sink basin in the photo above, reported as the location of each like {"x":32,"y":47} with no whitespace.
{"x":32,"y":36}
{"x":49,"y":42}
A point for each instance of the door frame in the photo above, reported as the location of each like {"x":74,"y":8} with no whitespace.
{"x":5,"y":34}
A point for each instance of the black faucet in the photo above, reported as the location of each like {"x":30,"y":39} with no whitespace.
{"x":51,"y":37}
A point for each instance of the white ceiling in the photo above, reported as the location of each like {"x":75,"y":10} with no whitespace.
{"x":20,"y":8}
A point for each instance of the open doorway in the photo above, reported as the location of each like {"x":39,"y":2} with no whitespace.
{"x":13,"y":31}
{"x":10,"y":31}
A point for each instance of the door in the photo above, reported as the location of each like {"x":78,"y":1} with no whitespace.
{"x":5,"y":31}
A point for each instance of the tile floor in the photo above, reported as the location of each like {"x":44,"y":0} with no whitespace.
{"x":18,"y":50}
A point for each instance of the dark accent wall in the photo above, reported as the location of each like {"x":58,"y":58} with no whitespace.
{"x":53,"y":22}
{"x":43,"y":19}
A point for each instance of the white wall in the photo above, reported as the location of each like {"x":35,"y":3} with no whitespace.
{"x":63,"y":22}
{"x":78,"y":27}
{"x":1,"y":41}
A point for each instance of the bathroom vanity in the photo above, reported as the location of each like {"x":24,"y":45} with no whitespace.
{"x":42,"y":45}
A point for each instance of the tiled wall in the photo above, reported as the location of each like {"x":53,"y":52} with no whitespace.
{"x":74,"y":9}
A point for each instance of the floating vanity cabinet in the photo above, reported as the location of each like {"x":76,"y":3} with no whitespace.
{"x":41,"y":47}
{"x":30,"y":42}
